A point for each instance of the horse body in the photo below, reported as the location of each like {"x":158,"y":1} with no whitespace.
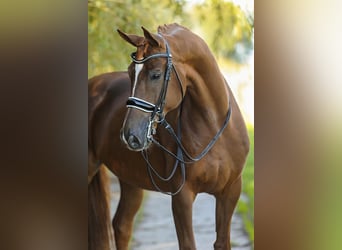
{"x":205,"y":101}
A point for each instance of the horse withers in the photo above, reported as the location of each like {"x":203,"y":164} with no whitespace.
{"x":172,"y":126}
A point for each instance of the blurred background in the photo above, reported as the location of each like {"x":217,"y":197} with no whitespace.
{"x":228,"y":29}
{"x":298,"y":100}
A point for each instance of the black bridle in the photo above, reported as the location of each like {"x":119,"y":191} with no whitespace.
{"x":155,"y":109}
{"x":157,"y":115}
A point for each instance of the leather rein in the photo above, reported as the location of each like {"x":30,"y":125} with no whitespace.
{"x":182,"y":156}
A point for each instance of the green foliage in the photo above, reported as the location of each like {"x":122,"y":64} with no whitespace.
{"x":106,"y":50}
{"x":226,"y":28}
{"x":223,"y":25}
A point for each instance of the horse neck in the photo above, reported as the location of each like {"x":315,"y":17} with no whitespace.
{"x":206,"y":87}
{"x":206,"y":101}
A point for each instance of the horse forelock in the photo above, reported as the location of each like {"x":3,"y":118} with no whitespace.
{"x":141,"y":50}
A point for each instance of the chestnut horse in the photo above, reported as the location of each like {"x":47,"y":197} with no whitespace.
{"x":172,"y":126}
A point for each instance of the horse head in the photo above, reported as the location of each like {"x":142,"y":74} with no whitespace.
{"x":154,"y":92}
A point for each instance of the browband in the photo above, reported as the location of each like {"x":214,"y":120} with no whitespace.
{"x":133,"y":56}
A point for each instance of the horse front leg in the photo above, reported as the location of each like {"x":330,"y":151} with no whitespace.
{"x":130,"y":201}
{"x":182,"y":215}
{"x":225,"y":204}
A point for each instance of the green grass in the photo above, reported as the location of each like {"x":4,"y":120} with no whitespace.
{"x":246,"y":208}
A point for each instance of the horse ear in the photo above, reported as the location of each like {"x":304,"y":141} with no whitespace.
{"x":151,"y":38}
{"x":132,"y":39}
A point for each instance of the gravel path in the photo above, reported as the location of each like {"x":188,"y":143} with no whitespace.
{"x":155,"y":229}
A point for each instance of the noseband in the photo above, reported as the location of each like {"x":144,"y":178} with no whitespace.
{"x":157,"y":115}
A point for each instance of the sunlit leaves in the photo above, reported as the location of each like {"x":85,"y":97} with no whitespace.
{"x":223,"y":25}
{"x":226,"y":28}
{"x":106,"y":50}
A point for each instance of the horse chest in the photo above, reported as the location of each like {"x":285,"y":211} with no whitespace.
{"x":209,"y":175}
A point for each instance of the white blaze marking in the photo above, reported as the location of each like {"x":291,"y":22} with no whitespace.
{"x":138,"y":68}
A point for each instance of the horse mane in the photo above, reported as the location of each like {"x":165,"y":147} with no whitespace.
{"x":169,"y":29}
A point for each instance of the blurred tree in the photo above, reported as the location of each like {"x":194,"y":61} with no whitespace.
{"x":106,"y":50}
{"x":227,"y":29}
{"x":223,"y":25}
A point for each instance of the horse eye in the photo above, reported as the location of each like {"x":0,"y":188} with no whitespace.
{"x":155,"y":76}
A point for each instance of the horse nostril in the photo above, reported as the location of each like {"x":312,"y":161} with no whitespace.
{"x":133,"y":142}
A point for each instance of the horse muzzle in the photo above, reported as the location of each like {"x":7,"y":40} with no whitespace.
{"x":139,"y":127}
{"x":132,"y":141}
{"x":135,"y":141}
